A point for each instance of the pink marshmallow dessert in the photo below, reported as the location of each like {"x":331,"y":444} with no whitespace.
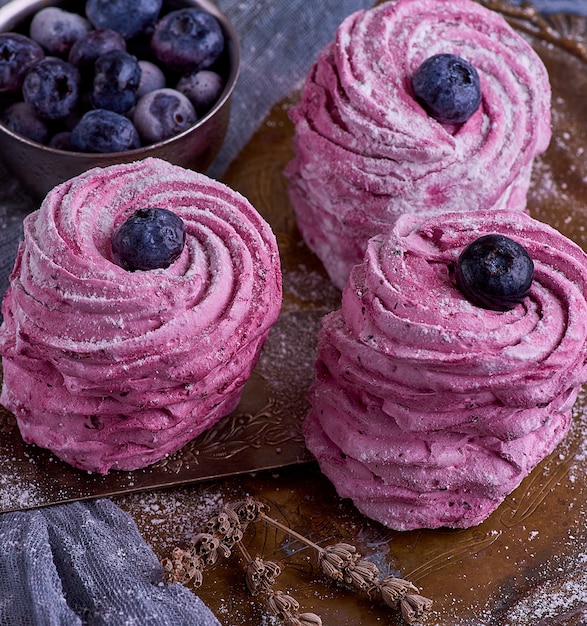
{"x":115,"y":369}
{"x":427,"y":409}
{"x":366,"y":151}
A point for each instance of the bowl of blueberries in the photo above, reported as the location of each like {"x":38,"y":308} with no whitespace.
{"x":102,"y":82}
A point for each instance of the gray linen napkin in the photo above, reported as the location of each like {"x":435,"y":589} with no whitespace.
{"x":86,"y":563}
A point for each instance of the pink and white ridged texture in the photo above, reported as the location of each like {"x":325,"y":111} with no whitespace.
{"x":365,"y":150}
{"x":428,"y":410}
{"x":116,"y":369}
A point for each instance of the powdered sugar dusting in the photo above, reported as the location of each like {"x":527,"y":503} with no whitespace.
{"x":172,"y":517}
{"x":14,"y":492}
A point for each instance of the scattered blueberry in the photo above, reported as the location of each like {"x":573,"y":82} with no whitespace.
{"x":152,"y":78}
{"x":494,"y":272}
{"x":448,"y":88}
{"x":149,"y":239}
{"x":188,"y":39}
{"x":18,"y":54}
{"x":57,"y":30}
{"x":51,"y":87}
{"x":163,"y":113}
{"x":203,"y":88}
{"x":116,"y":80}
{"x":128,"y":17}
{"x":100,"y":130}
{"x":21,"y":118}
{"x":88,"y":48}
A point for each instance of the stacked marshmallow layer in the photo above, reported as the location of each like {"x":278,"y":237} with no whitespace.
{"x":366,"y":152}
{"x":116,"y":369}
{"x":428,"y":410}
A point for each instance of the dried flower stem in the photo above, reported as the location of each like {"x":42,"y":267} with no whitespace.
{"x":289,"y":531}
{"x":530,"y":20}
{"x":340,"y":562}
{"x":343,"y":563}
{"x":260,"y":577}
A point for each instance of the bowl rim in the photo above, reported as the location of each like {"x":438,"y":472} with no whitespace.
{"x":16,"y":11}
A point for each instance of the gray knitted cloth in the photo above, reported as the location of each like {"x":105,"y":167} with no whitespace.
{"x":86,"y":563}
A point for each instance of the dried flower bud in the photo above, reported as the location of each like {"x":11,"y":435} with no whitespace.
{"x":224,"y":550}
{"x":282,"y":605}
{"x":206,"y":546}
{"x":343,"y":551}
{"x":413,"y":607}
{"x":167,"y":565}
{"x":227,"y":526}
{"x":261,"y":575}
{"x":197,"y":577}
{"x":330,"y":570}
{"x":220,"y":524}
{"x":309,"y":619}
{"x":183,"y":567}
{"x":364,"y":575}
{"x":394,"y":589}
{"x":339,"y":556}
{"x":248,"y":510}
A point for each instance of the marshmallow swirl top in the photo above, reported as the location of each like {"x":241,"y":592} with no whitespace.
{"x":108,"y":330}
{"x":357,"y":106}
{"x":412,"y":338}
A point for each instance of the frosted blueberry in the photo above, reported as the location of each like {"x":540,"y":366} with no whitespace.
{"x":51,"y":87}
{"x":88,"y":48}
{"x":494,"y":272}
{"x":116,"y":80}
{"x":448,"y":88}
{"x":188,"y":39}
{"x":128,"y":17}
{"x":152,"y":78}
{"x":61,"y":141}
{"x":18,"y":54}
{"x":150,"y":238}
{"x":163,"y":113}
{"x":21,"y":118}
{"x":100,"y":130}
{"x":203,"y":88}
{"x":57,"y":30}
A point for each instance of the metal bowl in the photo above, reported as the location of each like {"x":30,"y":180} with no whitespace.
{"x":40,"y":167}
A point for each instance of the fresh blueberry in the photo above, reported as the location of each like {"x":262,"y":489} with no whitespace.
{"x":494,"y":272}
{"x":149,"y":239}
{"x":22,"y":119}
{"x":203,"y":88}
{"x":104,"y":131}
{"x":152,"y":78}
{"x":18,"y":54}
{"x":163,"y":113}
{"x":116,"y":80}
{"x":51,"y":87}
{"x":448,"y":88}
{"x":57,"y":30}
{"x":87,"y":49}
{"x":128,"y":17}
{"x":61,"y":141}
{"x":188,"y":39}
